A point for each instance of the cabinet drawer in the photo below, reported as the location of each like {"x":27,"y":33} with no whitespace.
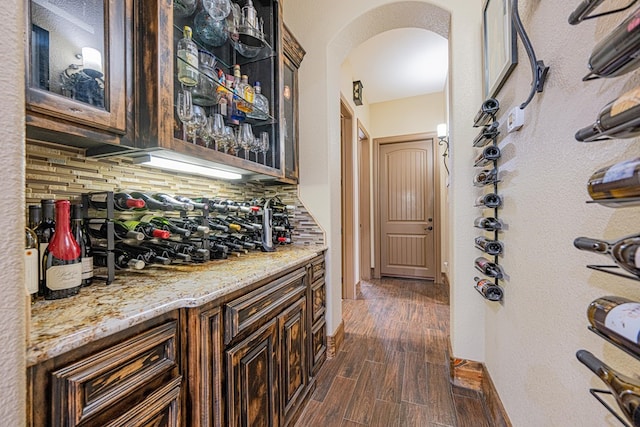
{"x":249,"y":311}
{"x":318,"y":298}
{"x":318,"y":346}
{"x":122,"y":373}
{"x":317,"y":268}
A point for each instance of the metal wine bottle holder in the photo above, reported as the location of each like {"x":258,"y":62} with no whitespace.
{"x":111,"y":264}
{"x":486,"y":118}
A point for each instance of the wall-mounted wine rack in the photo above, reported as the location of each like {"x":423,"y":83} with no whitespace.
{"x":487,"y":141}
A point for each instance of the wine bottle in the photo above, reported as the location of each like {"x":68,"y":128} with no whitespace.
{"x":187,"y":59}
{"x":488,"y":155}
{"x":165,"y":224}
{"x":492,"y":247}
{"x":490,"y":200}
{"x":149,"y":231}
{"x":488,"y":133}
{"x":121,"y":201}
{"x":489,"y":268}
{"x":618,"y":319}
{"x":624,"y":389}
{"x":31,"y":260}
{"x":486,"y":177}
{"x":148,"y":255}
{"x":153,"y":204}
{"x":122,"y":260}
{"x":617,"y":119}
{"x":620,"y":180}
{"x":167,"y":251}
{"x":82,"y":238}
{"x":98,"y":228}
{"x":35,"y":216}
{"x":489,"y":223}
{"x":196,"y":205}
{"x":222,"y":220}
{"x":617,"y":54}
{"x":62,"y":264}
{"x":625,"y":251}
{"x":177,"y":205}
{"x":44,"y":232}
{"x":581,"y":12}
{"x":194,"y":225}
{"x":488,"y":109}
{"x":488,"y":289}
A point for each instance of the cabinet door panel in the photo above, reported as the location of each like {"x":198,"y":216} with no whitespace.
{"x":252,"y":379}
{"x":318,"y":298}
{"x":318,"y":345}
{"x":294,"y":363}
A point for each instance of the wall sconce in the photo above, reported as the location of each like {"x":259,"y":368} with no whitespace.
{"x":85,"y":82}
{"x":357,"y":92}
{"x":443,"y":139}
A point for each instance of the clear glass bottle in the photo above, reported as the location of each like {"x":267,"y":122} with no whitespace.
{"x":260,"y":104}
{"x":248,"y":94}
{"x":204,"y":92}
{"x":187,"y":59}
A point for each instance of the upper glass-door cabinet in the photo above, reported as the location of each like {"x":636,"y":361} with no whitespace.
{"x":77,"y":64}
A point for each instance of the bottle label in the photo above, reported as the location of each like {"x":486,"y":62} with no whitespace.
{"x":624,"y":320}
{"x":41,"y":248}
{"x":625,"y":102}
{"x":620,"y":171}
{"x":31,"y":270}
{"x":87,"y":268}
{"x":64,"y":276}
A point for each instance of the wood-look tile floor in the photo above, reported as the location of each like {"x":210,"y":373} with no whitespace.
{"x":392,"y":370}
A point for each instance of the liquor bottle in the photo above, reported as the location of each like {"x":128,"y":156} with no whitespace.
{"x":121,"y":201}
{"x":260,"y":104}
{"x":489,"y":223}
{"x":492,"y":247}
{"x":98,"y":228}
{"x":625,"y":251}
{"x":618,"y":319}
{"x":149,"y":231}
{"x":247,"y":94}
{"x":486,"y":177}
{"x":490,"y":200}
{"x":62,"y":264}
{"x":31,"y":260}
{"x":44,"y":232}
{"x":488,"y":289}
{"x":82,"y":238}
{"x":122,"y":259}
{"x":617,"y":54}
{"x":237,"y":113}
{"x":617,"y":181}
{"x":489,"y":268}
{"x":165,"y":224}
{"x":488,"y":133}
{"x":177,"y":205}
{"x":488,"y":109}
{"x":487,"y":155}
{"x":221,"y":93}
{"x":187,"y":59}
{"x":619,"y":119}
{"x":624,"y":389}
{"x":154,"y":204}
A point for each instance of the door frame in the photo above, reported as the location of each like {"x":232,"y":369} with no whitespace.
{"x":364,"y":206}
{"x":437,"y":223}
{"x":349,"y":281}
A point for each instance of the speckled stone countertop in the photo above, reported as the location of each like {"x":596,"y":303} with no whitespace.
{"x":99,"y":310}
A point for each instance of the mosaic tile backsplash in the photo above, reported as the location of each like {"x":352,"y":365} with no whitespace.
{"x":59,"y":172}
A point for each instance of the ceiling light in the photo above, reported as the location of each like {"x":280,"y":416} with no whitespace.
{"x":174,"y":165}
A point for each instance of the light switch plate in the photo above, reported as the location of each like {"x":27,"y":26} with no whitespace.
{"x":515,"y":119}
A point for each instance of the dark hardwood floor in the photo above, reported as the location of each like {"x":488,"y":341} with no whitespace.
{"x":392,"y":370}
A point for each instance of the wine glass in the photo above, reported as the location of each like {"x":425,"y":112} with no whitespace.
{"x":218,"y":9}
{"x":197,"y":122}
{"x":264,"y":145}
{"x":184,"y":108}
{"x":228,"y":141}
{"x":217,"y":127}
{"x":206,"y":132}
{"x":245,"y":138}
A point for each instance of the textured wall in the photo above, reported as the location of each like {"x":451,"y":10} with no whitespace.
{"x":532,"y":337}
{"x":417,"y":114}
{"x":12,"y":304}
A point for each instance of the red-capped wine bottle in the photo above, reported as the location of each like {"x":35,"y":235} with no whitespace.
{"x":165,"y":224}
{"x":490,"y":200}
{"x":147,"y":229}
{"x":625,"y":251}
{"x":489,"y":268}
{"x":624,"y":389}
{"x":488,"y":289}
{"x":121,"y":201}
{"x":80,"y":234}
{"x":62,"y":263}
{"x":618,"y":319}
{"x":618,"y":119}
{"x":492,"y":247}
{"x":489,"y":223}
{"x":44,"y":232}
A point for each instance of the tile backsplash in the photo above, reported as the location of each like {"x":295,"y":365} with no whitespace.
{"x":60,"y":172}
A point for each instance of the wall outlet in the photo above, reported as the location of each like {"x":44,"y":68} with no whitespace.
{"x":515,"y":119}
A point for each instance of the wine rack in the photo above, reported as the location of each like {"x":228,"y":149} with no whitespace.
{"x":110,"y":244}
{"x":487,"y":141}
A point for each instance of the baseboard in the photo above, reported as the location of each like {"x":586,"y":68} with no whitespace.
{"x":471,"y":375}
{"x":334,"y":342}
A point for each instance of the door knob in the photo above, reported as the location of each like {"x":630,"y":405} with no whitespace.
{"x":430,"y":219}
{"x":429,"y":228}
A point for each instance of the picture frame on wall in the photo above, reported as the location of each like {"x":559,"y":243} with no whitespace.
{"x":499,"y":45}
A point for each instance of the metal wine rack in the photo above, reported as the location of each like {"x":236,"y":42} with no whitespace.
{"x":111,"y":269}
{"x":486,"y":118}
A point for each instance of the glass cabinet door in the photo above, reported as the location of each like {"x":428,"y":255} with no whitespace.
{"x":290,"y":119}
{"x":76,"y":61}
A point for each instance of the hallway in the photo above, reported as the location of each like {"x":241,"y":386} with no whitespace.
{"x":392,"y":369}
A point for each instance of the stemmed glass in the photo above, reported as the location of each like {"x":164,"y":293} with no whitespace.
{"x":245,"y":138}
{"x":228,"y":140}
{"x":264,"y":145}
{"x":184,"y":108}
{"x":217,"y":128}
{"x":197,"y":122}
{"x":206,"y":133}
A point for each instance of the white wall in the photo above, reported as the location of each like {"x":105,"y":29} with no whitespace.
{"x":12,"y":303}
{"x":417,"y":114}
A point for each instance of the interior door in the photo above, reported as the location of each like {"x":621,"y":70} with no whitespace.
{"x":406,"y":195}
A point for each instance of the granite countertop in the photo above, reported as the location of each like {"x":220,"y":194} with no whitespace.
{"x":100,"y":310}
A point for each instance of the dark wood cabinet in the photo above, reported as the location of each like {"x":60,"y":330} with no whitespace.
{"x":295,"y":376}
{"x":318,"y":340}
{"x":79,"y":72}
